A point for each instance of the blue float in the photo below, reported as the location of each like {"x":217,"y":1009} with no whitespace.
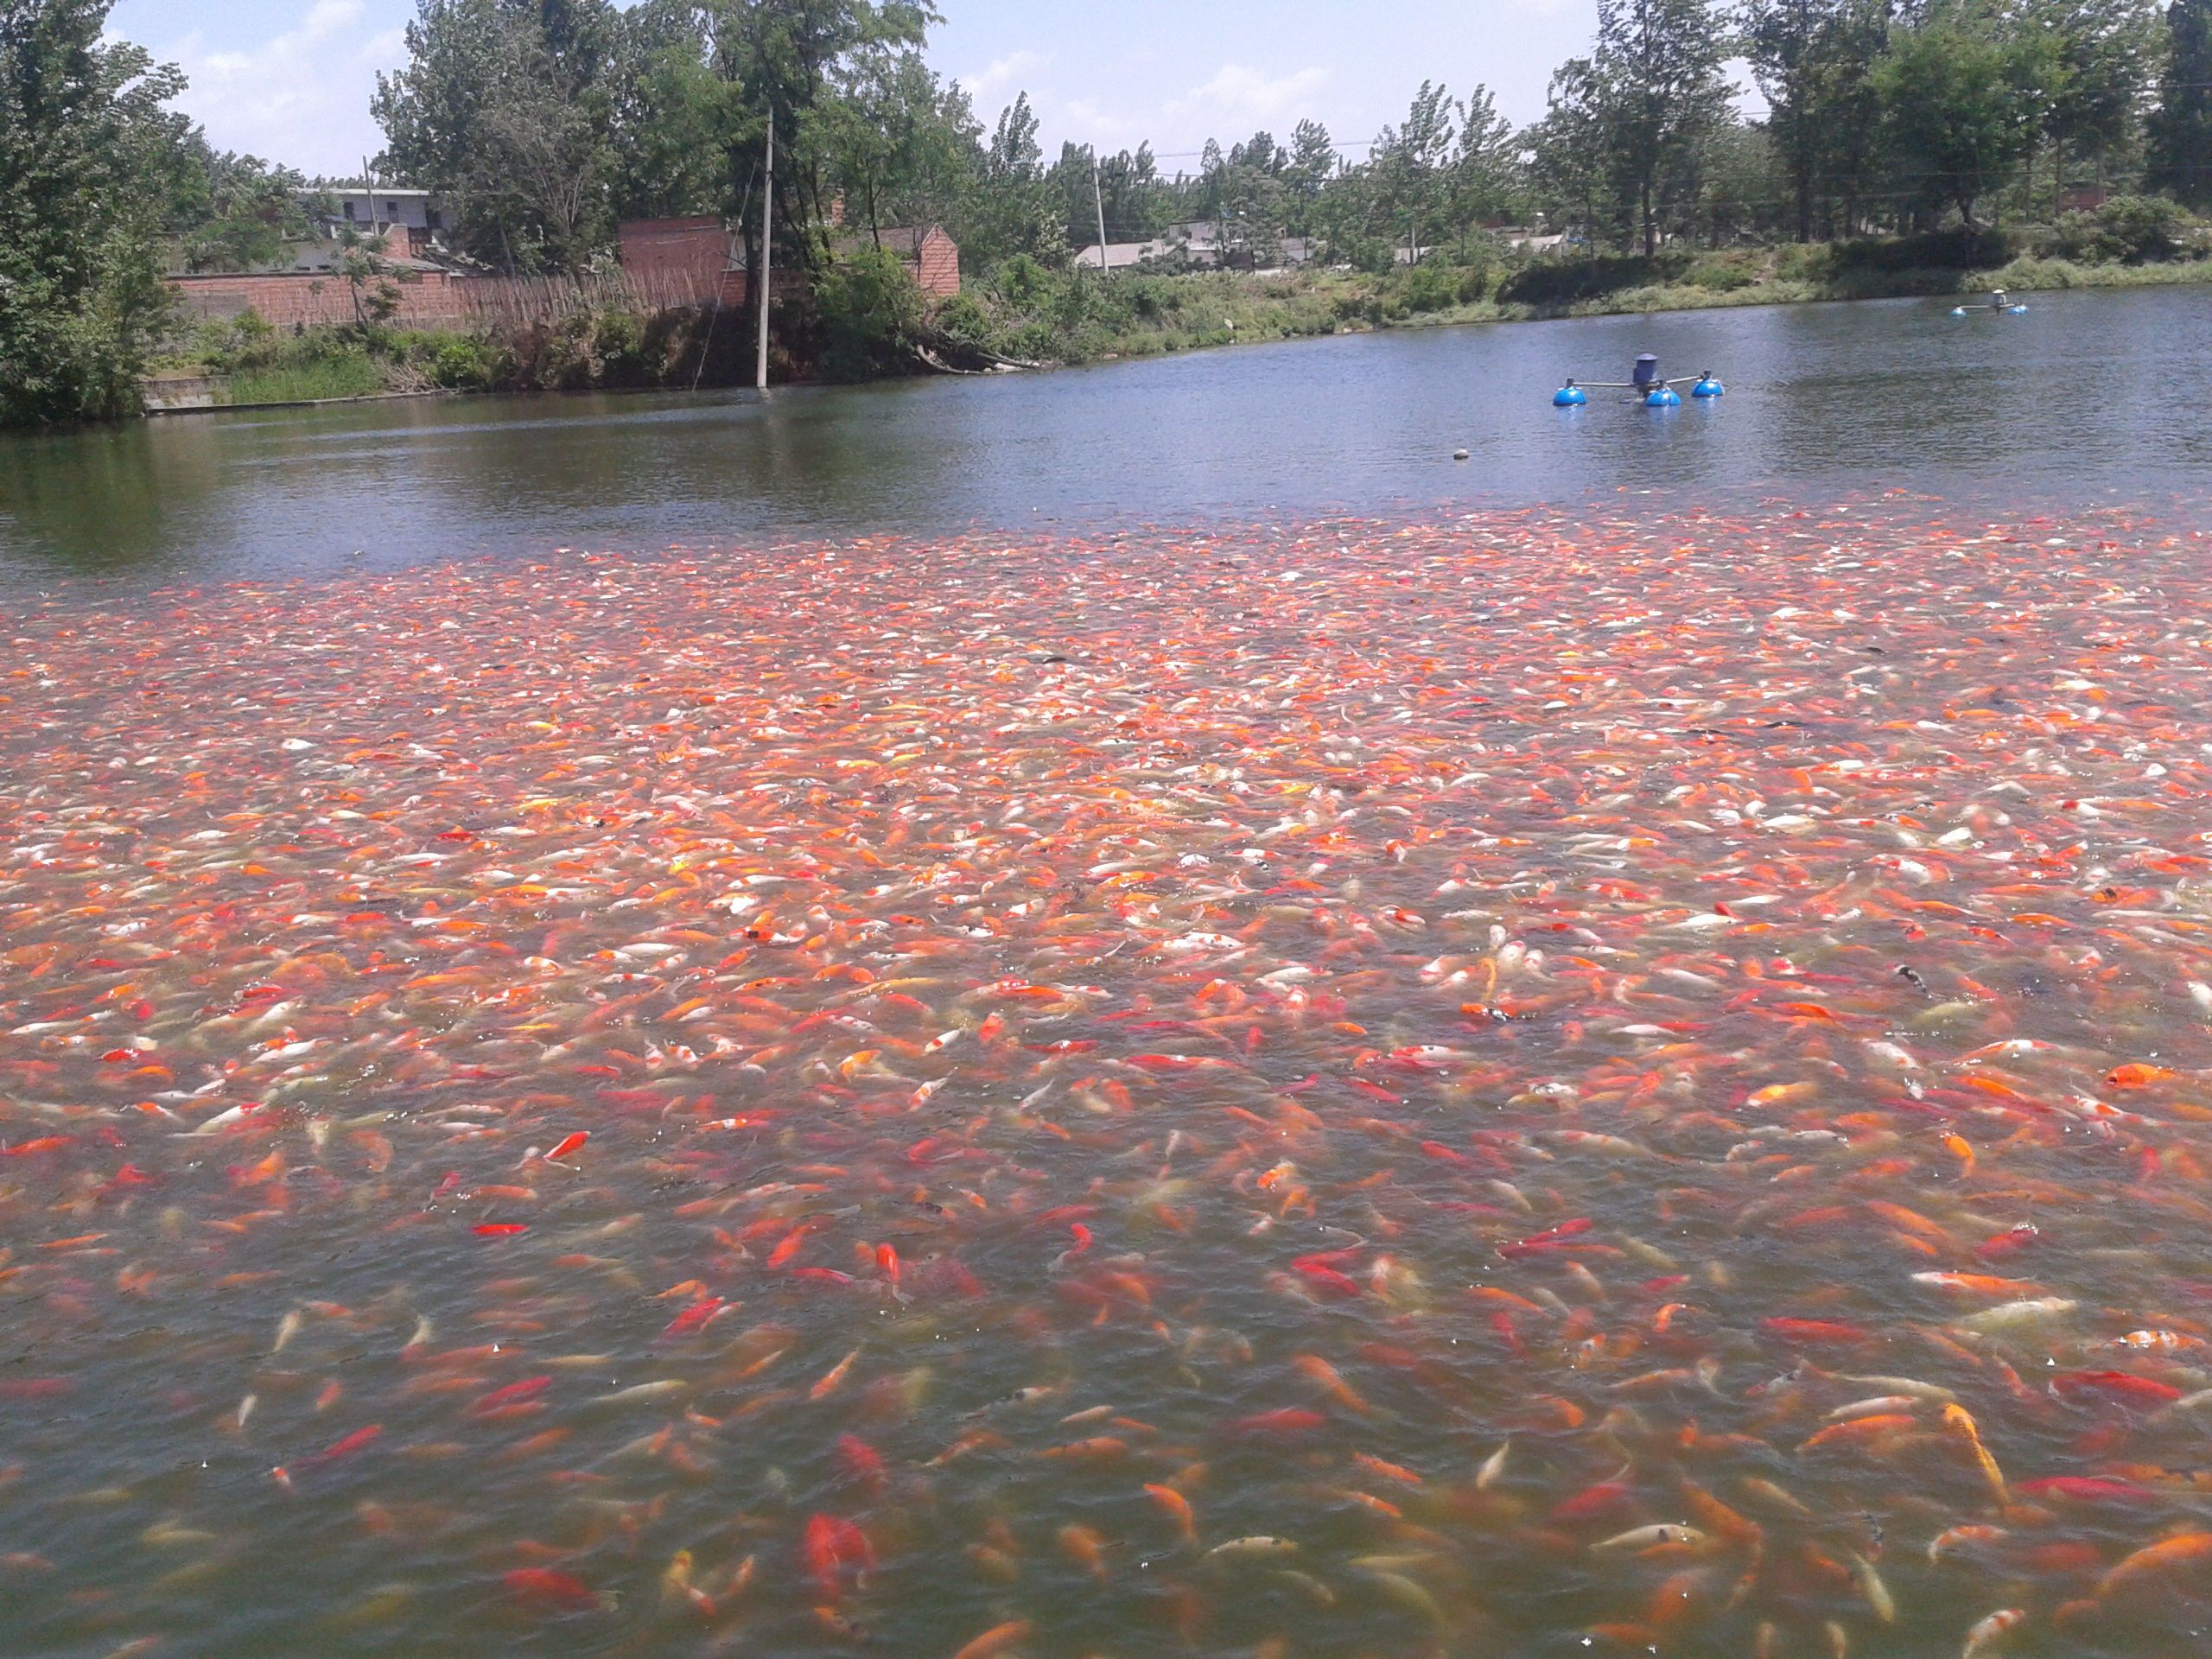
{"x":2001,"y":303}
{"x":1645,"y":386}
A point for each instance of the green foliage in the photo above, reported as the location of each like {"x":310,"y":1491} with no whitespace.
{"x":237,"y":212}
{"x":1720,"y":276}
{"x":312,"y":380}
{"x":1013,"y":209}
{"x":2179,"y":135}
{"x":1961,"y":107}
{"x":464,"y":363}
{"x":1561,"y":281}
{"x":505,"y":108}
{"x":1431,"y":288}
{"x":1962,"y":248}
{"x":1812,"y":59}
{"x":89,"y":158}
{"x":1635,"y":114}
{"x":871,"y":316}
{"x":2126,"y":230}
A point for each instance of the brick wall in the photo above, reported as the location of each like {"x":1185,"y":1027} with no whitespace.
{"x":436,"y":299}
{"x":690,"y":251}
{"x":939,"y":275}
{"x":301,"y":298}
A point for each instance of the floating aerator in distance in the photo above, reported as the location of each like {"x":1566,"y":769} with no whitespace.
{"x":1648,"y":387}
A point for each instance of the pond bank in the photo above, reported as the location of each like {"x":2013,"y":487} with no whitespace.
{"x":1068,"y":318}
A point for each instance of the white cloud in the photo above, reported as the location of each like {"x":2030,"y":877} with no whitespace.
{"x":1002,"y":79}
{"x":301,"y":98}
{"x":1238,"y":97}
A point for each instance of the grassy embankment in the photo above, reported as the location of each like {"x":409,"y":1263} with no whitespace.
{"x":591,"y":350}
{"x":1074,"y":317}
{"x":1026,"y":312}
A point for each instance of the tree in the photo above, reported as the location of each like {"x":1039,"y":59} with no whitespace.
{"x":90,"y":160}
{"x":2179,"y":138}
{"x":505,"y":109}
{"x":1812,"y":60}
{"x":1016,"y":209}
{"x":1409,"y":165}
{"x":1485,"y":182}
{"x":1569,"y":151}
{"x":779,"y":64}
{"x":1658,"y":66}
{"x":237,"y":212}
{"x":2101,"y":58}
{"x":1313,"y":163}
{"x":906,"y":149}
{"x":1643,"y":102}
{"x":666,"y":115}
{"x":1960,"y":109}
{"x":359,"y":264}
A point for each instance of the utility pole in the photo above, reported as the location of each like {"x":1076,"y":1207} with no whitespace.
{"x":1098,"y":197}
{"x":767,"y":234}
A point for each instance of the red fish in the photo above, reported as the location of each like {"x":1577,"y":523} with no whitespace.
{"x":2121,"y":1387}
{"x":542,"y":1587}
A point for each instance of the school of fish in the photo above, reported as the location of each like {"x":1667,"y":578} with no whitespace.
{"x":1636,"y":1081}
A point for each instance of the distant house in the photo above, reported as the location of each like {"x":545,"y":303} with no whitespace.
{"x":1119,"y":256}
{"x":1198,"y":245}
{"x":704,"y":255}
{"x":411,"y":221}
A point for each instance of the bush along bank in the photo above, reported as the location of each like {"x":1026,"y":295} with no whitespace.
{"x":1028,"y":312}
{"x":867,"y":321}
{"x":603,"y":350}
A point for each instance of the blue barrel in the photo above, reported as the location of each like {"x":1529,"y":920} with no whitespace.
{"x":1569,"y":396}
{"x":1663,"y":398}
{"x":1708,"y":387}
{"x":1647,"y":371}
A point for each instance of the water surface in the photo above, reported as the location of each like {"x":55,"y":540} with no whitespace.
{"x":2090,"y":396}
{"x":1381,"y":1074}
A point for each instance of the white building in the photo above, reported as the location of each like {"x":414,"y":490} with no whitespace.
{"x":386,"y":205}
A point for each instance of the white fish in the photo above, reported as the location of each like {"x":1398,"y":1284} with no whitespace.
{"x":1258,"y":1544}
{"x":1644,"y":1537}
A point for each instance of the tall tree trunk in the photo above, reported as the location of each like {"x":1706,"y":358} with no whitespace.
{"x":1651,"y":223}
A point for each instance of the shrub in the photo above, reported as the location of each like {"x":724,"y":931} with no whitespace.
{"x":871,"y":314}
{"x":1021,"y":282}
{"x":618,"y":341}
{"x":1957,"y":248}
{"x":463,"y":363}
{"x":1803,"y":262}
{"x":1720,"y":276}
{"x":962,"y":320}
{"x":2126,"y":230}
{"x":1426,"y":289}
{"x":1562,"y":281}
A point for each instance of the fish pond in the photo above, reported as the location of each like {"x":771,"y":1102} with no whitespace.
{"x":1135,"y":1033}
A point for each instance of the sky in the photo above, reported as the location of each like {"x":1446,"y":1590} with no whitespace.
{"x":290,"y":80}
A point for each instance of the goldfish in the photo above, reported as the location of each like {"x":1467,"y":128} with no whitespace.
{"x":1651,"y":1043}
